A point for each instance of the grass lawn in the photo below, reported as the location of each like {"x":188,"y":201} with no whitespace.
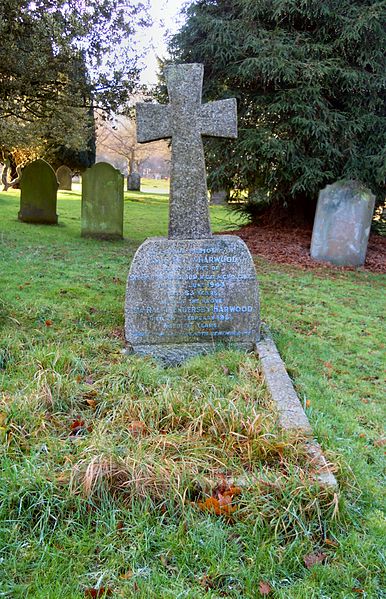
{"x":115,"y":472}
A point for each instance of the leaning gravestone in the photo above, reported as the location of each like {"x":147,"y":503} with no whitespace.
{"x":64,"y":176}
{"x":134,"y":182}
{"x":102,"y":202}
{"x":187,"y":292}
{"x":38,"y":197}
{"x":342,"y":223}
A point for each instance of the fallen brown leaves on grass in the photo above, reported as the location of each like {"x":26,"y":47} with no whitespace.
{"x":264,"y":588}
{"x":314,"y":558}
{"x":291,"y":245}
{"x":220,"y":503}
{"x":97,"y":593}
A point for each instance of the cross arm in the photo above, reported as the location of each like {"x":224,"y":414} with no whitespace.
{"x":219,"y":119}
{"x":153,"y":122}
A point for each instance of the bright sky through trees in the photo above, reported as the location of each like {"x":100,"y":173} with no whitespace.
{"x":166,"y":20}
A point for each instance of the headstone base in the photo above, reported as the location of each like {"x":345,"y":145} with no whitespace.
{"x":188,"y":297}
{"x":175,"y":355}
{"x":102,"y":236}
{"x":37,"y":216}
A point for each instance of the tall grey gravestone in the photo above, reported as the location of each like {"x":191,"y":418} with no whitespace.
{"x":38,"y":197}
{"x":190,"y":291}
{"x":102,"y":202}
{"x":342,"y":223}
{"x":64,"y":177}
{"x":134,"y":182}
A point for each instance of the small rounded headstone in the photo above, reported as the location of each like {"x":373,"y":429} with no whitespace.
{"x":38,"y":196}
{"x":64,"y":176}
{"x":219,"y":198}
{"x":342,"y":223}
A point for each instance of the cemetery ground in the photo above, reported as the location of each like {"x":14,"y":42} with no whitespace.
{"x":116,"y":473}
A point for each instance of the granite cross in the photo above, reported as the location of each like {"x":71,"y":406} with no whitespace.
{"x":185,"y":120}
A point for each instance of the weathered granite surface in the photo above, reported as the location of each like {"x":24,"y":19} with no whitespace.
{"x":102,"y":202}
{"x":134,"y":182}
{"x":185,"y":120}
{"x":190,"y":292}
{"x":64,"y":177}
{"x":38,"y":196}
{"x":185,"y":296}
{"x":292,"y":416}
{"x":342,"y":223}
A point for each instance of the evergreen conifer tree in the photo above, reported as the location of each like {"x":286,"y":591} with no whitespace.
{"x":309,"y":77}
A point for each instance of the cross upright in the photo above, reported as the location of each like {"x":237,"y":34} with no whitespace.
{"x":185,"y":120}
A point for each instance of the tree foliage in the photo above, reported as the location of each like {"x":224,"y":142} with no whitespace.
{"x":309,"y":78}
{"x":59,"y":59}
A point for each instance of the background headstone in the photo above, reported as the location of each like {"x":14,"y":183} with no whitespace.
{"x":219,"y":198}
{"x":134,"y":182}
{"x":193,"y":290}
{"x":39,"y":186}
{"x":342,"y":223}
{"x":64,"y":176}
{"x":102,"y":202}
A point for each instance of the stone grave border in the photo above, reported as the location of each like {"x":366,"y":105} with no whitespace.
{"x":292,"y":416}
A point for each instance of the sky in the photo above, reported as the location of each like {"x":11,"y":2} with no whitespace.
{"x":166,"y":21}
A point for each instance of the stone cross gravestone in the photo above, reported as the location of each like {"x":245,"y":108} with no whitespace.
{"x":342,"y":223}
{"x":134,"y":182}
{"x":102,"y":202}
{"x":38,"y":196}
{"x":192,"y":290}
{"x":64,"y":176}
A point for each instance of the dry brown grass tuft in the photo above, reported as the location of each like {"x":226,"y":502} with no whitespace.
{"x":175,"y":440}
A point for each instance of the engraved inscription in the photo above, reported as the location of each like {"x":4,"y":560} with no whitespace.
{"x":192,"y":291}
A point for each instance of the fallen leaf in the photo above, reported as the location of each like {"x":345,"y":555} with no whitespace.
{"x":232,"y":491}
{"x":328,"y":365}
{"x":127,"y":575}
{"x":76,"y":424}
{"x":308,"y":403}
{"x":365,"y":400}
{"x":380,"y":442}
{"x":314,"y":558}
{"x":136,"y":428}
{"x":164,"y":561}
{"x":206,"y":582}
{"x":362,"y":435}
{"x":90,"y":394}
{"x":313,"y":330}
{"x":220,"y":507}
{"x":91,"y":403}
{"x":49,"y":323}
{"x":120,"y":524}
{"x":331,"y":543}
{"x":96,"y":593}
{"x":264,"y":588}
{"x":356,"y":590}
